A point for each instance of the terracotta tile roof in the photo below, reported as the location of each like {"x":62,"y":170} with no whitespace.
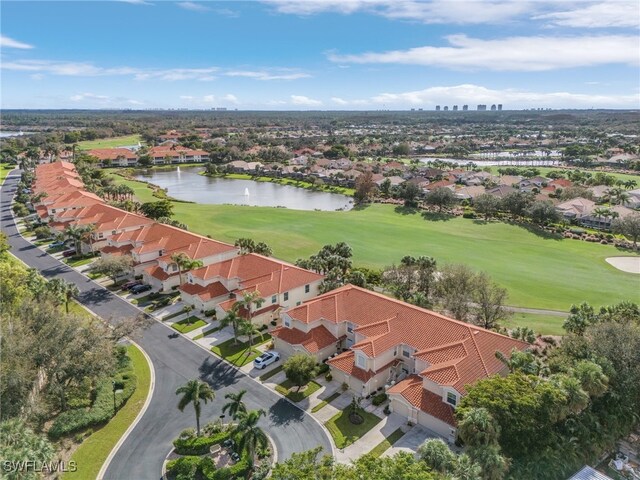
{"x":213,"y":290}
{"x":74,"y":198}
{"x":112,"y":153}
{"x":313,"y":341}
{"x":256,"y":272}
{"x":412,"y":391}
{"x":174,"y":151}
{"x":117,"y":251}
{"x":386,"y":323}
{"x":157,"y":272}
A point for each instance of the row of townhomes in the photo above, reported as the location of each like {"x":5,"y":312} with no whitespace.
{"x":422,"y":359}
{"x":160,"y":155}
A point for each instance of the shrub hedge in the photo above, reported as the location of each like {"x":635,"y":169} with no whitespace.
{"x":198,"y":445}
{"x":379,"y":399}
{"x":186,"y":468}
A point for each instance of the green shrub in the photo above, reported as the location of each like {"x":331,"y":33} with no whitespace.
{"x":328,"y":377}
{"x":239,"y":470}
{"x":209,"y":313}
{"x":21,"y":210}
{"x":42,"y":232}
{"x":184,"y":468}
{"x":379,"y":399}
{"x":322,"y":369}
{"x":198,"y":445}
{"x":102,"y":409}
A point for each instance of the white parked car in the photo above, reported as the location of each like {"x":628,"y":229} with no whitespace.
{"x":267,"y":358}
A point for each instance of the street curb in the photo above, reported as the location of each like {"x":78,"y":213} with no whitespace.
{"x":141,"y":413}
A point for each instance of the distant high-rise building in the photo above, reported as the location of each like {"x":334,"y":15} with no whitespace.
{"x":437,"y":108}
{"x":499,"y":107}
{"x":482,"y":108}
{"x":455,"y":108}
{"x":465,"y":108}
{"x":446,"y":108}
{"x":493,"y":107}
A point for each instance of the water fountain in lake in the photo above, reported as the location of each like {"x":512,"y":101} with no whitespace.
{"x":246,"y":192}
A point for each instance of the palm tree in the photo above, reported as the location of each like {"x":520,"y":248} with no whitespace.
{"x":234,"y":319}
{"x":195,"y":391}
{"x":600,"y":213}
{"x":249,"y":329}
{"x":478,"y":428}
{"x":629,"y":184}
{"x":249,"y":300}
{"x":235,"y":406}
{"x":74,"y":233}
{"x":87,"y":235}
{"x":251,"y":435}
{"x":62,"y":291}
{"x":184,"y":263}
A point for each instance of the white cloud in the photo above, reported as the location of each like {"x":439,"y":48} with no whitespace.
{"x":208,"y":99}
{"x":135,"y":102}
{"x":432,"y":12}
{"x":616,"y":13}
{"x":136,"y":2}
{"x":230,"y":98}
{"x":173,"y":74}
{"x":89,"y":96}
{"x":472,"y":95}
{"x":186,"y":97}
{"x":514,"y":53}
{"x":194,"y":6}
{"x":6,"y":42}
{"x":339,"y":101}
{"x":36,"y":76}
{"x":262,"y":75}
{"x":301,"y":100}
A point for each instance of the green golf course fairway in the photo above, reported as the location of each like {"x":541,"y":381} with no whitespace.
{"x":538,"y":272}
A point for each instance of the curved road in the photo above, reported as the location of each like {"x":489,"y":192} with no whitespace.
{"x":176,"y":360}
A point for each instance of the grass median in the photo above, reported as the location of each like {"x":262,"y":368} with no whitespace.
{"x":344,"y":432}
{"x":289,"y":390}
{"x":239,"y":354}
{"x":93,"y":452}
{"x":387,"y":443}
{"x":189,"y":324}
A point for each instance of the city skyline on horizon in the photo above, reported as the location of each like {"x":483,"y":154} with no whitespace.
{"x":321,"y":55}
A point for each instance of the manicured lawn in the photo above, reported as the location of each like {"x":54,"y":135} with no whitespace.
{"x":287,"y":389}
{"x":92,"y":453}
{"x":545,"y":170}
{"x":240,"y":354}
{"x":207,"y":332}
{"x":5,"y":168}
{"x":325,"y":402}
{"x":109,"y":142}
{"x":183,"y":326}
{"x":542,"y":324}
{"x":344,"y":432}
{"x":76,"y":308}
{"x":384,"y":445}
{"x":538,"y":272}
{"x":78,"y":262}
{"x":293,"y":182}
{"x":270,"y":373}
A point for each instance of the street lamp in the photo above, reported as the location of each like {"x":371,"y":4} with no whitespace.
{"x":113,"y":382}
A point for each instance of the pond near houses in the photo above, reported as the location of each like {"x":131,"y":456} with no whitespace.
{"x":187,"y":184}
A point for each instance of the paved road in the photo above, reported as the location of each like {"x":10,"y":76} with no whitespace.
{"x":175,"y":360}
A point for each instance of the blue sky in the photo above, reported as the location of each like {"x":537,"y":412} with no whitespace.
{"x":320,"y":54}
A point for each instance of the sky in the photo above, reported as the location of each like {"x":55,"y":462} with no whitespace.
{"x":320,"y":54}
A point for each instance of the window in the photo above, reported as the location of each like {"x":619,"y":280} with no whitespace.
{"x":452,"y":398}
{"x":298,"y":303}
{"x":286,"y":296}
{"x":349,"y":328}
{"x":360,"y":361}
{"x":287,"y":323}
{"x":274,"y":298}
{"x":406,"y":352}
{"x":306,"y":289}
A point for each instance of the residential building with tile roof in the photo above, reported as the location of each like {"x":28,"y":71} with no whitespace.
{"x":424,"y":360}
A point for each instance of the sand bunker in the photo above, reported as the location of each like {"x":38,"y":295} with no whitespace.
{"x":626,"y":264}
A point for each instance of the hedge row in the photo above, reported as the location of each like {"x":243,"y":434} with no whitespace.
{"x":186,"y":468}
{"x":101,"y":410}
{"x":198,"y":445}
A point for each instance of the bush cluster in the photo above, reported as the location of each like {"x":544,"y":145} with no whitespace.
{"x":379,"y":399}
{"x":102,"y":408}
{"x":198,"y":445}
{"x":186,"y":468}
{"x":322,"y":369}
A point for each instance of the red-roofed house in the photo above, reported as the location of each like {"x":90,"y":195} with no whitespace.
{"x":424,"y":360}
{"x":153,"y":245}
{"x":281,"y":285}
{"x":175,"y":154}
{"x":122,"y":157}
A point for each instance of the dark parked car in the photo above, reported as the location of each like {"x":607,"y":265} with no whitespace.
{"x":235,"y":457}
{"x":140,"y":288}
{"x":131,"y":284}
{"x":68,"y":253}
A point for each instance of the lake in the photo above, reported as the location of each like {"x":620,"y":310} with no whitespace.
{"x":187,"y":184}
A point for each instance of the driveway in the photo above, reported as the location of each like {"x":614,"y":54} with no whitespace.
{"x":176,"y":360}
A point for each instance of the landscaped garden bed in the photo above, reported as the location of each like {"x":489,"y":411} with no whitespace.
{"x":189,"y":324}
{"x":348,"y":426}
{"x":295,"y":394}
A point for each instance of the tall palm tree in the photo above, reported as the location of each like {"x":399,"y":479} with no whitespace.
{"x":74,"y":233}
{"x":234,"y":319}
{"x":249,"y":329}
{"x":195,"y":391}
{"x":251,"y":435}
{"x":62,"y":291}
{"x":235,"y":406}
{"x":87,"y":235}
{"x":478,"y":427}
{"x":249,"y":300}
{"x":185,"y":263}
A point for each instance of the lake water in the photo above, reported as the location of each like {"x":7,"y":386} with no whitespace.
{"x":186,"y":184}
